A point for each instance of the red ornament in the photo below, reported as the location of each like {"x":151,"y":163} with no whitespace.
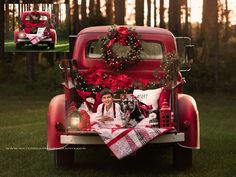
{"x":123,"y":30}
{"x":84,"y":123}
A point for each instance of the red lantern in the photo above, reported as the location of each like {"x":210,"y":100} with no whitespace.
{"x":165,"y":115}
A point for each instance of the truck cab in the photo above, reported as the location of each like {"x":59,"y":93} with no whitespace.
{"x":142,"y":61}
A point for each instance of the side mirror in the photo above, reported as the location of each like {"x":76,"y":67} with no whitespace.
{"x":75,"y":64}
{"x":185,"y":52}
{"x":53,"y":20}
{"x":189,"y":53}
{"x":20,"y":25}
{"x":72,"y":39}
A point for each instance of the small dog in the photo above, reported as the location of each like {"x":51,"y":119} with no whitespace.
{"x":131,"y":110}
{"x":135,"y":111}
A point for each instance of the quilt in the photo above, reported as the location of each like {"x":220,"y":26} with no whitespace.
{"x":36,"y":38}
{"x":125,"y":141}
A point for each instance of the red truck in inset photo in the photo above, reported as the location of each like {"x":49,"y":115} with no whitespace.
{"x":35,"y":28}
{"x":142,"y":66}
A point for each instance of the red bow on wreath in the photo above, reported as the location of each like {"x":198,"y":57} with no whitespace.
{"x":122,"y":35}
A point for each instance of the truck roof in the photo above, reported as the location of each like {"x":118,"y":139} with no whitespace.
{"x":35,"y":11}
{"x":138,"y":29}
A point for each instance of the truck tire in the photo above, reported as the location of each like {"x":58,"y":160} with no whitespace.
{"x":52,"y":46}
{"x":182,"y":157}
{"x":64,"y":158}
{"x":18,"y":46}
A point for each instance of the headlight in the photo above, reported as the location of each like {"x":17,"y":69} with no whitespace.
{"x":21,"y":34}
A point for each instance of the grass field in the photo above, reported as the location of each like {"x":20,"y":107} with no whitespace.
{"x":23,"y":132}
{"x":61,"y":46}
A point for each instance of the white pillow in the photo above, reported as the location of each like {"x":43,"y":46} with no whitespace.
{"x":148,"y":97}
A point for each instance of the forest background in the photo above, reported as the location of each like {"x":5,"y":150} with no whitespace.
{"x":29,"y":80}
{"x":214,"y":38}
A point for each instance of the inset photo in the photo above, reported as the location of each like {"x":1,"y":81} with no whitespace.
{"x":35,"y":28}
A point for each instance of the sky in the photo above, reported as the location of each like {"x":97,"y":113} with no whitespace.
{"x":196,"y":10}
{"x":196,"y":15}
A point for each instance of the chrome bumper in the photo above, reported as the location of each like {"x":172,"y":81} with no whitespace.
{"x":94,"y":139}
{"x":27,"y":40}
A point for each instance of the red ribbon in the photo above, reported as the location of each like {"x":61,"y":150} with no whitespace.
{"x":122,"y":35}
{"x":110,"y":43}
{"x":123,"y":30}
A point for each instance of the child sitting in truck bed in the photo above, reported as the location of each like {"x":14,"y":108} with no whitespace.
{"x":108,"y":112}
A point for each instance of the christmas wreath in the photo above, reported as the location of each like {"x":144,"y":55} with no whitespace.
{"x":125,"y":37}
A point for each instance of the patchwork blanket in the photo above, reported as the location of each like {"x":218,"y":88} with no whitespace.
{"x":36,"y":38}
{"x":125,"y":141}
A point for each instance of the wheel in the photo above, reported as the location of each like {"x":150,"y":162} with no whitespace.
{"x":18,"y":46}
{"x":182,"y":157}
{"x":64,"y":158}
{"x":52,"y":46}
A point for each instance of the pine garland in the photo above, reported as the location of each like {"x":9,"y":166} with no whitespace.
{"x":170,"y":68}
{"x":95,"y":79}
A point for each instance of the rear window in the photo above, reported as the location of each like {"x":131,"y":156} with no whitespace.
{"x":151,"y":50}
{"x":31,"y":17}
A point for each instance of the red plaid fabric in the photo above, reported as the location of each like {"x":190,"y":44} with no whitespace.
{"x":36,"y":38}
{"x":125,"y":141}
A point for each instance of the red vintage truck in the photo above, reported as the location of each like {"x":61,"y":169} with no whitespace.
{"x":35,"y":28}
{"x":134,"y":53}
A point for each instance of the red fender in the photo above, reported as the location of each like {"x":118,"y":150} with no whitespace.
{"x":56,"y":114}
{"x":53,"y":35}
{"x":189,"y":121}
